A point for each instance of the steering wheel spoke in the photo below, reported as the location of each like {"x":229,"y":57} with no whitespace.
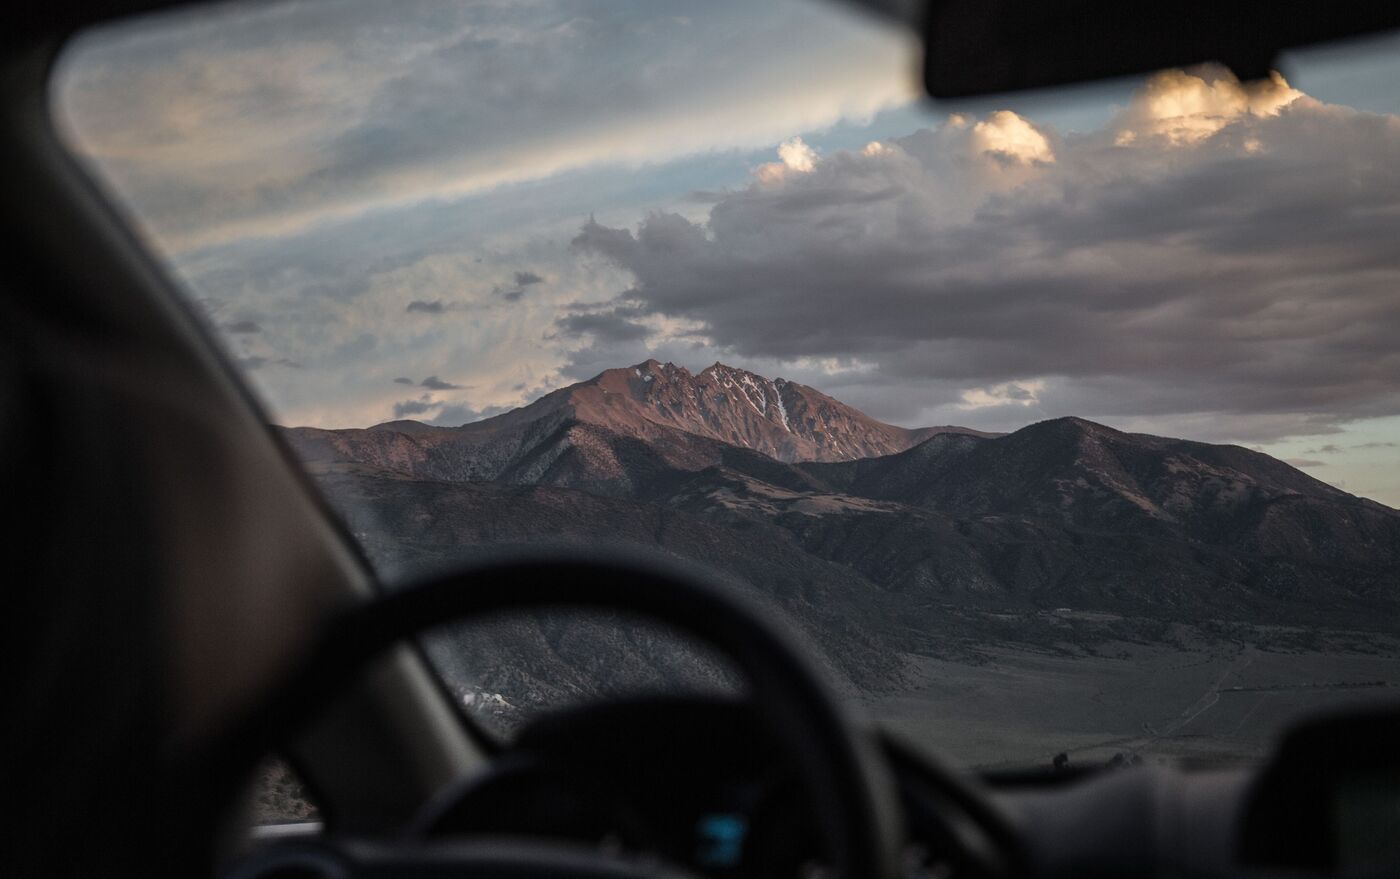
{"x":849,"y":792}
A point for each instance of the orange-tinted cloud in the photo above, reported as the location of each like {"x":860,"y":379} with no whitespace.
{"x":1186,"y":107}
{"x":1004,"y":133}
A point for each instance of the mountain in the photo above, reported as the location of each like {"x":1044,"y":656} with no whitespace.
{"x":412,"y":528}
{"x":782,"y":419}
{"x":604,"y":433}
{"x":1086,"y":475}
{"x":945,"y":546}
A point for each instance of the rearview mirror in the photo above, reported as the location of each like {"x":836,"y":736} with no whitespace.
{"x":980,"y":47}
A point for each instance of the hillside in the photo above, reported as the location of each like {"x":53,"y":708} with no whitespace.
{"x":960,"y":541}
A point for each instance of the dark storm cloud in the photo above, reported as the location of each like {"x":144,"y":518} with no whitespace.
{"x":525,"y":279}
{"x":433,"y":383}
{"x":606,"y":327}
{"x":1250,"y":273}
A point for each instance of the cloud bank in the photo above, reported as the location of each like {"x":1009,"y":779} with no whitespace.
{"x":269,"y":119}
{"x":1219,"y":250}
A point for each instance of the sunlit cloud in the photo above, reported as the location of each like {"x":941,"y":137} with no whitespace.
{"x":794,"y":157}
{"x":1005,"y":134}
{"x":1186,"y":107}
{"x":1018,"y":393}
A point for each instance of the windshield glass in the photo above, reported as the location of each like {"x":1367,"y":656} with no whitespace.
{"x":1063,"y":423}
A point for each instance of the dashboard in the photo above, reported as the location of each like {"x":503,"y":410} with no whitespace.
{"x":699,"y":783}
{"x":696,"y":782}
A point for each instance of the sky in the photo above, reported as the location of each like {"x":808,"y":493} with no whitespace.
{"x":443,"y":210}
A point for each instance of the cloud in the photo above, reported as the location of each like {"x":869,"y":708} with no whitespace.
{"x":1304,"y":462}
{"x":1004,"y":134}
{"x":1335,"y":449}
{"x":1242,"y":279}
{"x":1023,"y":393}
{"x":262,"y":121}
{"x":244,"y":327}
{"x":434,"y":383}
{"x":420,"y":406}
{"x":456,"y":416}
{"x":420,"y":306}
{"x":606,"y":327}
{"x":525,"y":279}
{"x":444,"y":414}
{"x":403,"y":381}
{"x":1187,"y":107}
{"x":258,"y":362}
{"x":794,"y":157}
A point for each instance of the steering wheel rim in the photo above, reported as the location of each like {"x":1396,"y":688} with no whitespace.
{"x":853,"y":797}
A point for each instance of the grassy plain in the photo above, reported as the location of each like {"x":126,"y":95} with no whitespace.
{"x":1205,"y":699}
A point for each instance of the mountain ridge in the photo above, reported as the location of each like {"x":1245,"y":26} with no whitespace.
{"x":959,"y":541}
{"x":595,"y":433}
{"x":610,"y":432}
{"x":785,"y":420}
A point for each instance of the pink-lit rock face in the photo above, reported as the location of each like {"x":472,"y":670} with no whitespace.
{"x":781,"y":419}
{"x":599,"y":432}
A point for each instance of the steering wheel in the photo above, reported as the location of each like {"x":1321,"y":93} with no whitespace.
{"x":852,"y":796}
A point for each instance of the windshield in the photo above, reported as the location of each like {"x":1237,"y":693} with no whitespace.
{"x":1058,"y":424}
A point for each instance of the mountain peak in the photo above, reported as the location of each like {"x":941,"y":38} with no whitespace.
{"x":783,"y":419}
{"x":1076,"y":428}
{"x":1075,"y":423}
{"x":723,"y":369}
{"x":650,"y":365}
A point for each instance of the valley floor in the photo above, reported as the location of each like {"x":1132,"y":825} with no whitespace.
{"x":1212,"y":702}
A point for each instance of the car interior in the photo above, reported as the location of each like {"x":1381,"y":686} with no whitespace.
{"x":172,"y":561}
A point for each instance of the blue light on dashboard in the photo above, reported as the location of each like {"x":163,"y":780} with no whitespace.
{"x":721,"y":839}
